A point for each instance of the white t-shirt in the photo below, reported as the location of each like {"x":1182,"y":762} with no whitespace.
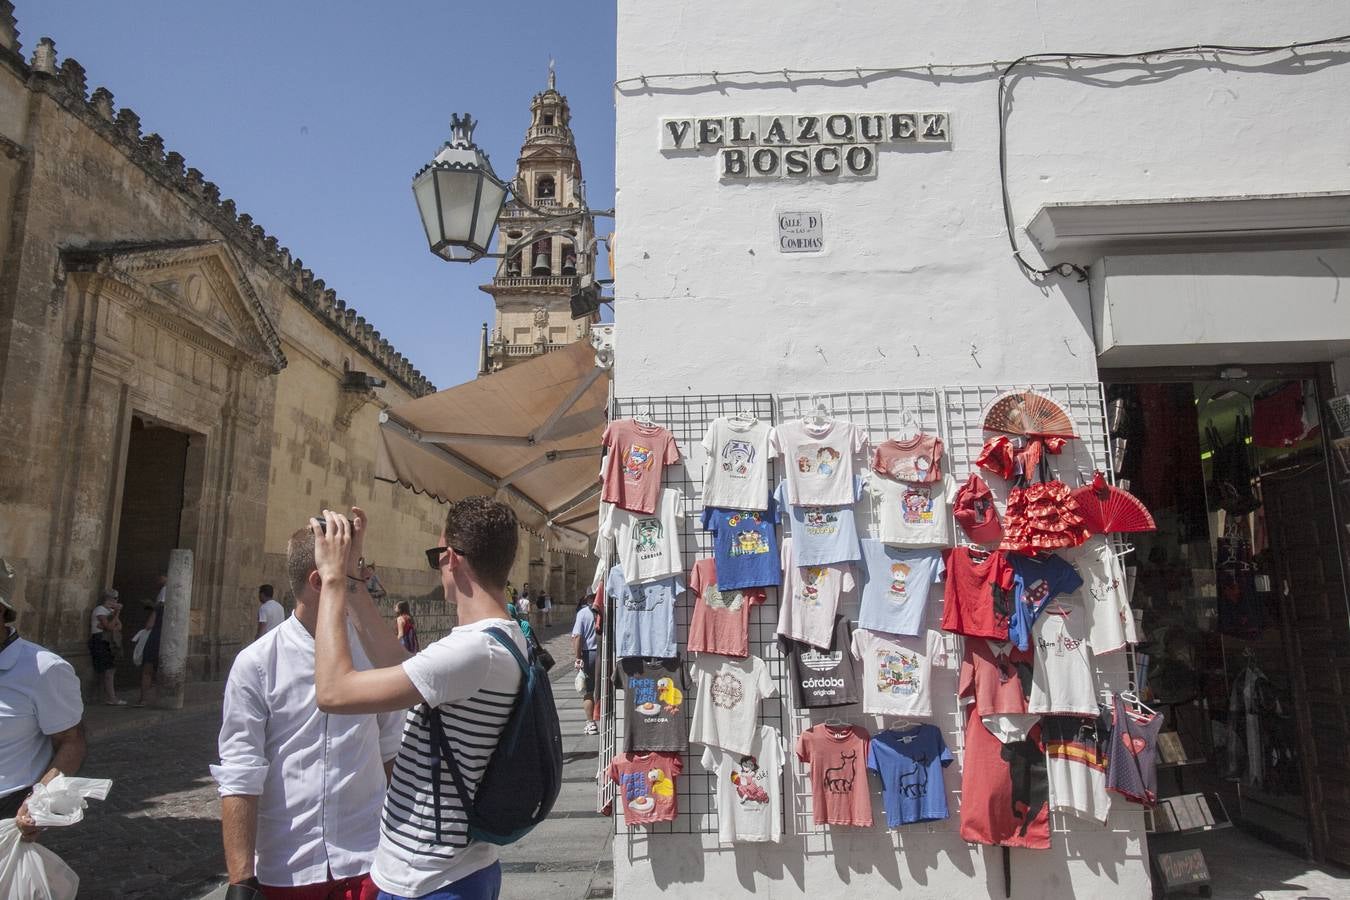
{"x":471,"y":681}
{"x":1103,"y":595}
{"x":646,"y":546}
{"x":39,"y":696}
{"x":819,"y":460}
{"x":913,"y":515}
{"x":1062,"y":682}
{"x":897,"y":671}
{"x":811,"y":596}
{"x":749,"y":789}
{"x":726,"y":714}
{"x":523,"y":606}
{"x":99,"y":610}
{"x":271,"y":614}
{"x":736,"y":464}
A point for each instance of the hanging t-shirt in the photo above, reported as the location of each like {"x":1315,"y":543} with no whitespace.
{"x":1105,"y":597}
{"x":726,"y":713}
{"x":811,"y":599}
{"x":1076,"y":754}
{"x":895,"y":586}
{"x":646,"y":786}
{"x":635,"y":458}
{"x":749,"y":789}
{"x":838,"y":770}
{"x":978,"y":598}
{"x":1132,"y":764}
{"x":736,"y":469}
{"x":823,"y":678}
{"x":721,"y":618}
{"x":646,"y":545}
{"x":1062,"y":682}
{"x":913,"y":515}
{"x":1035,"y":583}
{"x":918,"y":459}
{"x":909,"y":762}
{"x":997,"y":675}
{"x":743,"y":542}
{"x":644,"y":614}
{"x":897,"y":671}
{"x":819,"y":460}
{"x":654,"y":713}
{"x":1005,"y":791}
{"x":821,"y":535}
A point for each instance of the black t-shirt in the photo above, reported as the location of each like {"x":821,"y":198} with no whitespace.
{"x":654,"y":703}
{"x":824,"y":677}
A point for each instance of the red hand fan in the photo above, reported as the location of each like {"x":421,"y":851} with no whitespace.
{"x":1028,"y":413}
{"x":1106,"y":509}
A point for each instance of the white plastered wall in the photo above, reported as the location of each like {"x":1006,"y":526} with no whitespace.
{"x":917,"y":285}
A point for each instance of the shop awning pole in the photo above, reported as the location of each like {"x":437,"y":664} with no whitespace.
{"x":1007,"y":872}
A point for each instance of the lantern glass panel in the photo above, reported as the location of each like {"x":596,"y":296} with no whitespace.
{"x":459,"y":198}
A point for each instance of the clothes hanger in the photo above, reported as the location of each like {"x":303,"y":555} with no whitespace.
{"x":821,"y":415}
{"x":909,"y":426}
{"x":1132,"y":697}
{"x":742,"y":417}
{"x":643,"y":416}
{"x":836,"y":723}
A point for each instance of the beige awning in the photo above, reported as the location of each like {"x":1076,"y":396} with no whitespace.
{"x":529,"y":435}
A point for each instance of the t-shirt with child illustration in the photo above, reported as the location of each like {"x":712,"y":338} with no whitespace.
{"x":646,"y":786}
{"x":821,"y":535}
{"x":726,"y":712}
{"x":819,"y":460}
{"x":721,"y":619}
{"x":749,"y":789}
{"x":897,"y":671}
{"x":635,"y":458}
{"x":810,"y":599}
{"x":896,"y":585}
{"x":918,"y":459}
{"x":736,"y":464}
{"x":743,"y":545}
{"x":913,"y":515}
{"x":838,"y":770}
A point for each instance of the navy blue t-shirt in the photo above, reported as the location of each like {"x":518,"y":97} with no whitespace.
{"x":745,"y":546}
{"x":1035,"y":583}
{"x":910,"y":762}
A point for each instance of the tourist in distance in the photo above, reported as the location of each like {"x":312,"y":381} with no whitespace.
{"x":585,"y":644}
{"x":270,"y":612}
{"x":105,"y":626}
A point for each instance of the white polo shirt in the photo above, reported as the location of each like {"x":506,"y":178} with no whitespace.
{"x":39,"y":696}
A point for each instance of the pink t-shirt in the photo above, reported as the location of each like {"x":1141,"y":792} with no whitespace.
{"x":721,"y":618}
{"x":646,"y":786}
{"x":918,"y":459}
{"x":635,"y":456}
{"x":838,"y":761}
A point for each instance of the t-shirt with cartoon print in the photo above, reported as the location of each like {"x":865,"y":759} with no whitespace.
{"x":819,"y":460}
{"x":821,"y":535}
{"x":635,"y":459}
{"x":743,"y":545}
{"x":895,"y":588}
{"x":897,"y":671}
{"x":909,"y":762}
{"x":1104,"y":596}
{"x":736,"y":464}
{"x":726,"y":713}
{"x":823,"y":678}
{"x":811,"y":596}
{"x":644,"y":614}
{"x":749,"y":789}
{"x":1035,"y":583}
{"x":918,"y":459}
{"x":913,"y":515}
{"x":646,"y":545}
{"x":721,"y":619}
{"x":838,"y":771}
{"x":1062,"y":682}
{"x":654,"y":708}
{"x":646,"y":786}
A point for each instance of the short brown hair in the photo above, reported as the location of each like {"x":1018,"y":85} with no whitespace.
{"x":485,"y":532}
{"x":299,"y":559}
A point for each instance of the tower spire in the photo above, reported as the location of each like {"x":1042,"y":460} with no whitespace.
{"x":552,"y":76}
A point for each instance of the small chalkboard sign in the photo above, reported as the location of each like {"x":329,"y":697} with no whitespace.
{"x":1182,"y":869}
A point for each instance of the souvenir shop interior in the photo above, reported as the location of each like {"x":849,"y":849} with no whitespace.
{"x":1240,"y":599}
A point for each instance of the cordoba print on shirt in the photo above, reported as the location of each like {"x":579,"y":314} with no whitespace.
{"x":916,"y":505}
{"x":820,"y":522}
{"x":897,"y":673}
{"x":727,"y":690}
{"x":839,"y":779}
{"x":647,"y":535}
{"x":751,"y":783}
{"x":738,"y":457}
{"x":749,"y":542}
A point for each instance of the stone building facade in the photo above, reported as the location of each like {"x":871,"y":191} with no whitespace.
{"x":170,"y":376}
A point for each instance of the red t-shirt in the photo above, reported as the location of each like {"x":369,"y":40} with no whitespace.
{"x":635,"y":456}
{"x":917,"y":460}
{"x":978,"y":600}
{"x":998,"y":676}
{"x":646,"y":786}
{"x":838,"y":760}
{"x":1005,"y":789}
{"x":721,"y":618}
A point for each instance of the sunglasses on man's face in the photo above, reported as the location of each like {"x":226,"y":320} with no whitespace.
{"x":434,"y":555}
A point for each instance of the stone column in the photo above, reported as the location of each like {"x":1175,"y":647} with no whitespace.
{"x":173,"y":638}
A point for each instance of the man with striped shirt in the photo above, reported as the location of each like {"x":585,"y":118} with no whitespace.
{"x":466,"y":678}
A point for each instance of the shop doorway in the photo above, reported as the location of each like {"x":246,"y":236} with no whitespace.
{"x":161,"y":487}
{"x":1242,"y":600}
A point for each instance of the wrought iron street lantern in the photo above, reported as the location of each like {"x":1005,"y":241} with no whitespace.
{"x":459,"y":196}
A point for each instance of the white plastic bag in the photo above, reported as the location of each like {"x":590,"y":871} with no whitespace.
{"x":29,"y":871}
{"x":580,"y":682}
{"x":138,"y":642}
{"x":62,"y":800}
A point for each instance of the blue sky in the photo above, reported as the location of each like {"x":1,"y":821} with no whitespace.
{"x":313,"y":117}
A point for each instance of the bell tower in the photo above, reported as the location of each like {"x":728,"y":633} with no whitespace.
{"x":533,"y":287}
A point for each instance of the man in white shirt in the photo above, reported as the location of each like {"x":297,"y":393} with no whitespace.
{"x":270,"y":613}
{"x":301,"y":789}
{"x":467,"y":679}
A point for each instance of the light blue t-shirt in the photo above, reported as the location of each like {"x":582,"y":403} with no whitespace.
{"x":644,"y":614}
{"x":821,"y":535}
{"x":895,"y":586}
{"x":910,"y":762}
{"x":1035,"y":583}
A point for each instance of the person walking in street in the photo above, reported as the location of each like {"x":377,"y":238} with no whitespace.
{"x":301,"y":790}
{"x":270,"y":612}
{"x":548,"y":610}
{"x":406,"y":627}
{"x":105,"y":626}
{"x":154,"y":624}
{"x":585,"y":644}
{"x":467,"y":679}
{"x":41,"y":711}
